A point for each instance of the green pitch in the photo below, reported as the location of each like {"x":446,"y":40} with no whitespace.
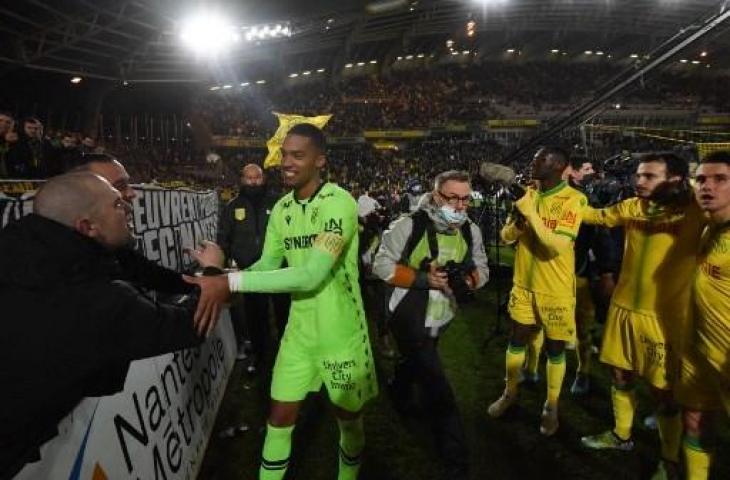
{"x":400,"y":449}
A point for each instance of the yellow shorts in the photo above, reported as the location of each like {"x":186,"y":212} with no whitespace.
{"x":556,"y":315}
{"x":637,"y":342}
{"x":700,"y":386}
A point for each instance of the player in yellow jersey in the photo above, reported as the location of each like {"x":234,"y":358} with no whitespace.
{"x":650,"y":305}
{"x":545,"y":227}
{"x":704,"y":385}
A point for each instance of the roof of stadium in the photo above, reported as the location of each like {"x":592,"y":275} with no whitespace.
{"x":139,"y":40}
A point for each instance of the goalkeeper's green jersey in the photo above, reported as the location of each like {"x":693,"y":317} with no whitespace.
{"x":318,"y":239}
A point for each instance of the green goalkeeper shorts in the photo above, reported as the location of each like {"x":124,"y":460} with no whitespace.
{"x":348,"y":373}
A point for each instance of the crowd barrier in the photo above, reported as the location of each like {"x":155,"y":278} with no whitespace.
{"x":159,"y":425}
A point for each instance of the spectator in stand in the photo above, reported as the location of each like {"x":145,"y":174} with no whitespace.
{"x":7,"y":138}
{"x":29,"y":157}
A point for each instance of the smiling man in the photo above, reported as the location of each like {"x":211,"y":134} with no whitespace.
{"x":545,"y":226}
{"x":649,"y":308}
{"x":314,"y":227}
{"x":704,"y":386}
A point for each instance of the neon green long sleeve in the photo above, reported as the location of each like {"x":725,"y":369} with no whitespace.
{"x":304,"y":278}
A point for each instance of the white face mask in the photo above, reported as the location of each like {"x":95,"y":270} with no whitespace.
{"x":452,"y":216}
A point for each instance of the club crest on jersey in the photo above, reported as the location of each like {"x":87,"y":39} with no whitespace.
{"x":315,"y":215}
{"x":288,"y":219}
{"x":334,"y":226}
{"x":239,"y":214}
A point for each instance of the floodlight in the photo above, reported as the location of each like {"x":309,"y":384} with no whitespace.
{"x":76,"y":80}
{"x":409,"y":57}
{"x":684,"y":60}
{"x":348,"y":65}
{"x":226,"y":87}
{"x":373,"y":61}
{"x":207,"y":33}
{"x":634,"y":55}
{"x":213,"y":89}
{"x":293,"y":75}
{"x":599,"y":53}
{"x":696,"y":62}
{"x":360,"y":64}
{"x":510,"y":50}
{"x":554,"y":50}
{"x":320,"y":70}
{"x":703,"y":54}
{"x":588,"y":52}
{"x":306,"y":72}
{"x":465,"y":52}
{"x":260,"y":82}
{"x":245,"y":84}
{"x":421,"y":55}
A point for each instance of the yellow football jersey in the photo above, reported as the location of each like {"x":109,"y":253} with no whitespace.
{"x":712,"y":297}
{"x":660,"y":251}
{"x":560,"y":209}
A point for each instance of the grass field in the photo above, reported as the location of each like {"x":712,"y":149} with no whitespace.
{"x":398,"y":449}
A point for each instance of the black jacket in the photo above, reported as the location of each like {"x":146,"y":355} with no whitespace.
{"x":242,"y":228}
{"x":71,"y":323}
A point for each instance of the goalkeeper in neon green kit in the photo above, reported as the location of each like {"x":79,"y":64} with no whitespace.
{"x":314,"y":228}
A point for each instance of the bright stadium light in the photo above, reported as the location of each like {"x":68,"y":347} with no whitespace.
{"x":76,"y":80}
{"x":599,"y":53}
{"x":226,"y":87}
{"x":293,"y":75}
{"x":320,"y":70}
{"x":307,"y":72}
{"x":634,"y":55}
{"x":360,"y":64}
{"x":684,"y":60}
{"x":373,"y":62}
{"x":695,"y":62}
{"x":260,"y":82}
{"x":588,"y":52}
{"x":207,"y":33}
{"x":510,"y":50}
{"x":348,"y":65}
{"x":420,"y":55}
{"x":245,"y":84}
{"x":214,"y":88}
{"x":554,"y":50}
{"x":703,"y":54}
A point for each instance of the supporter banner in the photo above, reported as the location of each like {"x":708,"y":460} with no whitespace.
{"x":344,"y":140}
{"x":514,"y":123}
{"x":286,"y":121}
{"x":17,"y":188}
{"x":157,"y":428}
{"x":238,"y":142}
{"x":168,"y":221}
{"x":395,"y":133}
{"x":159,"y":425}
{"x":714,"y":120}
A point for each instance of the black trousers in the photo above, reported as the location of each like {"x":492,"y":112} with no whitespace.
{"x":421,"y":368}
{"x":250,"y":316}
